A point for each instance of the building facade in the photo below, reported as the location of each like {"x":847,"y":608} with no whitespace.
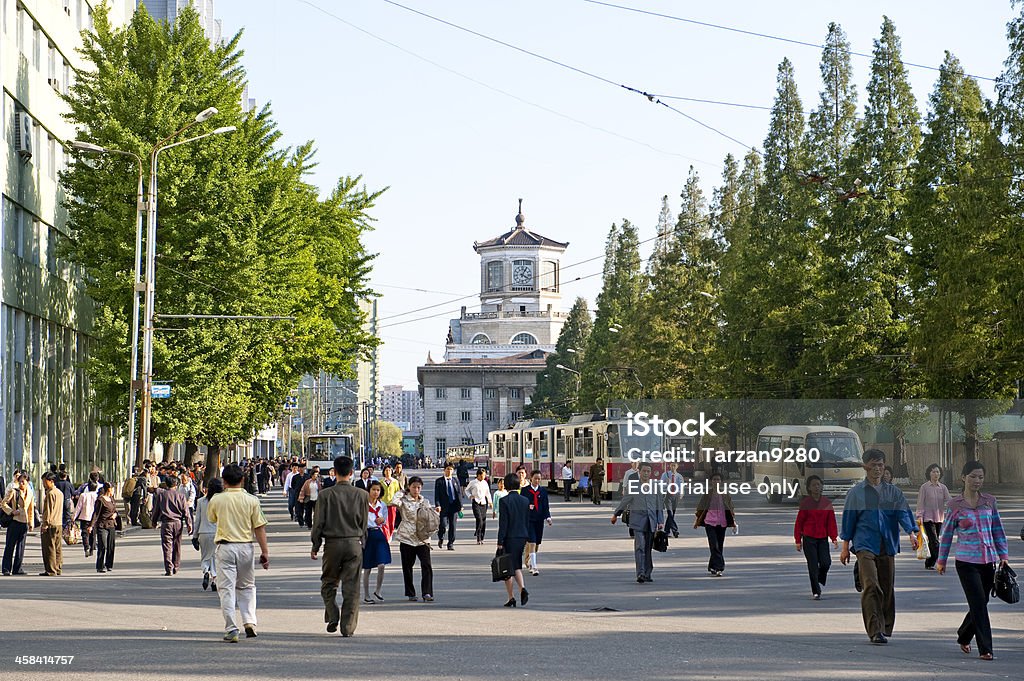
{"x":402,"y":407}
{"x":492,"y":357}
{"x":45,"y":317}
{"x":167,"y":10}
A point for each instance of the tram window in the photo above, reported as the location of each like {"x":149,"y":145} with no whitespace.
{"x":614,"y":446}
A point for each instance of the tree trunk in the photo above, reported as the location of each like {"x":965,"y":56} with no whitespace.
{"x":212,"y":462}
{"x":899,"y":453}
{"x":970,"y":432}
{"x":168,"y":451}
{"x":191,"y":448}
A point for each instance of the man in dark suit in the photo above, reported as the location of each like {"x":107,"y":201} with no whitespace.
{"x":339,"y":523}
{"x":540,"y":513}
{"x":646,"y":516}
{"x":596,"y":481}
{"x":447,"y":502}
{"x":513,"y":533}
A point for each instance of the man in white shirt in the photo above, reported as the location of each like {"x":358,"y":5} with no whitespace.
{"x":672,"y":477}
{"x":479,"y":491}
{"x":633,"y":472}
{"x":567,"y":479}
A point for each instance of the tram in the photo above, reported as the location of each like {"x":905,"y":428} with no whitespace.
{"x":326,"y":447}
{"x":476,"y":455}
{"x":546,"y":446}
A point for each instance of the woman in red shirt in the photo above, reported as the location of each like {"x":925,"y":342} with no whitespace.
{"x":815,"y":525}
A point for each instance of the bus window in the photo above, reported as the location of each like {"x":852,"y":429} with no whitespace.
{"x":836,"y":449}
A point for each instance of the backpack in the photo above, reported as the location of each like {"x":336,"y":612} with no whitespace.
{"x":141,"y":487}
{"x":128,"y":489}
{"x":427,"y":522}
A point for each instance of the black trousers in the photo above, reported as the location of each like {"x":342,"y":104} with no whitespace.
{"x":568,"y":489}
{"x":409,"y":555}
{"x":263,"y":482}
{"x":480,"y":515}
{"x":716,"y":542}
{"x":931,"y":530}
{"x":133,"y":509}
{"x":672,"y":505}
{"x":88,"y":540}
{"x":14,"y":546}
{"x":976,"y":580}
{"x":447,"y":525}
{"x":818,"y":561}
{"x":106,"y":538}
{"x":306,"y":516}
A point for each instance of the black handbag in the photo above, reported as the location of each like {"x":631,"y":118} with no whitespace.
{"x":5,"y":519}
{"x":1005,"y":586}
{"x":501,"y":567}
{"x":660,"y":541}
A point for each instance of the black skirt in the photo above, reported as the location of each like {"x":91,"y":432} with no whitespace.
{"x":515,"y":546}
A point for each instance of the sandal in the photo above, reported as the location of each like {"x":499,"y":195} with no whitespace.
{"x":965,"y":648}
{"x":986,"y":656}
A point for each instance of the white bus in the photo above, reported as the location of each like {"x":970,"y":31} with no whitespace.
{"x":833,"y":453}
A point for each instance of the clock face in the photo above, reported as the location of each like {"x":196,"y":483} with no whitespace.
{"x":522,"y":275}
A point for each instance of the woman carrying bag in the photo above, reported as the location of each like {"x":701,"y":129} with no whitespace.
{"x":412,"y":544}
{"x":105,"y":523}
{"x":84,"y":509}
{"x":715,"y":513}
{"x":981,"y":543}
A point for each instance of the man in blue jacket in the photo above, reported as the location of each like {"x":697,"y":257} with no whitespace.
{"x":873,"y":514}
{"x":513,"y":534}
{"x":540,"y":513}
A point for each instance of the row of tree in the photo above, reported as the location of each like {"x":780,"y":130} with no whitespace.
{"x":863,"y":257}
{"x":241,"y":232}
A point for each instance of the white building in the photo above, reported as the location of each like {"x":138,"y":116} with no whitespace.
{"x":402,"y":407}
{"x":493,"y":356}
{"x":45,"y":317}
{"x":167,"y":10}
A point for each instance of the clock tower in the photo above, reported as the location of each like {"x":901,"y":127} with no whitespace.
{"x":520,"y":296}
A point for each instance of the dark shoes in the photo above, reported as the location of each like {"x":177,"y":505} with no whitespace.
{"x":250,"y":631}
{"x":451,"y":548}
{"x":167,"y":573}
{"x":101,"y":569}
{"x":206,"y":581}
{"x":47,"y":574}
{"x":524,"y":596}
{"x":643,"y":579}
{"x":879,"y":639}
{"x":332,"y":627}
{"x":510,"y":603}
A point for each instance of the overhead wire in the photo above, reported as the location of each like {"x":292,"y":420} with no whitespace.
{"x":759,"y":34}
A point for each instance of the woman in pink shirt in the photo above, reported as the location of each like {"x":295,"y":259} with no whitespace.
{"x":715,"y":513}
{"x":932,"y":499}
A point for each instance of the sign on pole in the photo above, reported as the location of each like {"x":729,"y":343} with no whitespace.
{"x":160,"y":391}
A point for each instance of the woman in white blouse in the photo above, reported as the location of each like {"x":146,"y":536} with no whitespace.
{"x":83,"y":514}
{"x":410,"y":544}
{"x":377,"y":550}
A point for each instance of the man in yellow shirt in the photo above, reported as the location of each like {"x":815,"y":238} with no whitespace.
{"x":238,"y":517}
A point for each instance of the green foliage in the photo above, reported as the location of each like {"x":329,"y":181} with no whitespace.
{"x":240,"y":233}
{"x":556,"y":393}
{"x":387,"y":439}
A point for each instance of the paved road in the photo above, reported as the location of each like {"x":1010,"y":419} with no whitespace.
{"x":587,"y":618}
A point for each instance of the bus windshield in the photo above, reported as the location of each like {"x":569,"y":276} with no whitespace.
{"x":837,"y":449}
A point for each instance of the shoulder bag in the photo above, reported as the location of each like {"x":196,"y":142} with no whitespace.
{"x":1005,"y":586}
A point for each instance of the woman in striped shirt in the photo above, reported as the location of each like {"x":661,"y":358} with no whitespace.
{"x":981,"y":543}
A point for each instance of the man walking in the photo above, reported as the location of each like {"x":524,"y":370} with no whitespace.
{"x":171,"y":511}
{"x":645,"y":518}
{"x":447,"y":502}
{"x":673,"y":482}
{"x":567,"y":479}
{"x":339,"y":523}
{"x":239,"y":518}
{"x":479,"y":491}
{"x":873,"y":514}
{"x":50,"y":526}
{"x":596,"y":481}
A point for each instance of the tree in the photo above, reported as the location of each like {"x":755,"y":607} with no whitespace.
{"x":959,"y":211}
{"x":240,"y":233}
{"x":556,"y":395}
{"x":387,"y":439}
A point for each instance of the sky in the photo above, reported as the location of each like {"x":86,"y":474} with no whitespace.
{"x":458,"y":127}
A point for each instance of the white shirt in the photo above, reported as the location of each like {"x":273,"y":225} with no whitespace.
{"x":382,"y":512}
{"x":670,"y":478}
{"x":479,"y":491}
{"x":314,"y":489}
{"x":288,"y":481}
{"x":566,"y":473}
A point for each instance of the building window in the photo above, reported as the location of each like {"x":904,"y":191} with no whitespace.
{"x":490,"y":393}
{"x":548,"y":275}
{"x":51,"y":157}
{"x":467,"y":416}
{"x":441,"y":448}
{"x":495,"y":278}
{"x":522,"y":275}
{"x":467,"y":440}
{"x":516,"y":415}
{"x":36,"y":35}
{"x":480,"y":339}
{"x":441,"y":416}
{"x":466,"y":393}
{"x":524,"y":339}
{"x":19,"y":28}
{"x":440,"y":393}
{"x":489,"y":416}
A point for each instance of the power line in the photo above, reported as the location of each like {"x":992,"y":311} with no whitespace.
{"x":505,"y":92}
{"x":560,"y":64}
{"x":758,"y":34}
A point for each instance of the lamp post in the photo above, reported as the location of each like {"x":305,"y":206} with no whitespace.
{"x":579,"y":377}
{"x":137,"y":288}
{"x":146,"y":416}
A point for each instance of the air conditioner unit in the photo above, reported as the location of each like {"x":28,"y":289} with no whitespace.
{"x":23,"y":134}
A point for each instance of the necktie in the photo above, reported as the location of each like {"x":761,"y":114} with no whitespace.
{"x":451,"y":490}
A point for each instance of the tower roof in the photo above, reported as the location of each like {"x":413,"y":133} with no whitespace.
{"x":519,"y":236}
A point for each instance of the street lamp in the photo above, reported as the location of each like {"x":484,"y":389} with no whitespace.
{"x":579,"y":378}
{"x":140,"y":207}
{"x":614,"y":328}
{"x":146,"y":416}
